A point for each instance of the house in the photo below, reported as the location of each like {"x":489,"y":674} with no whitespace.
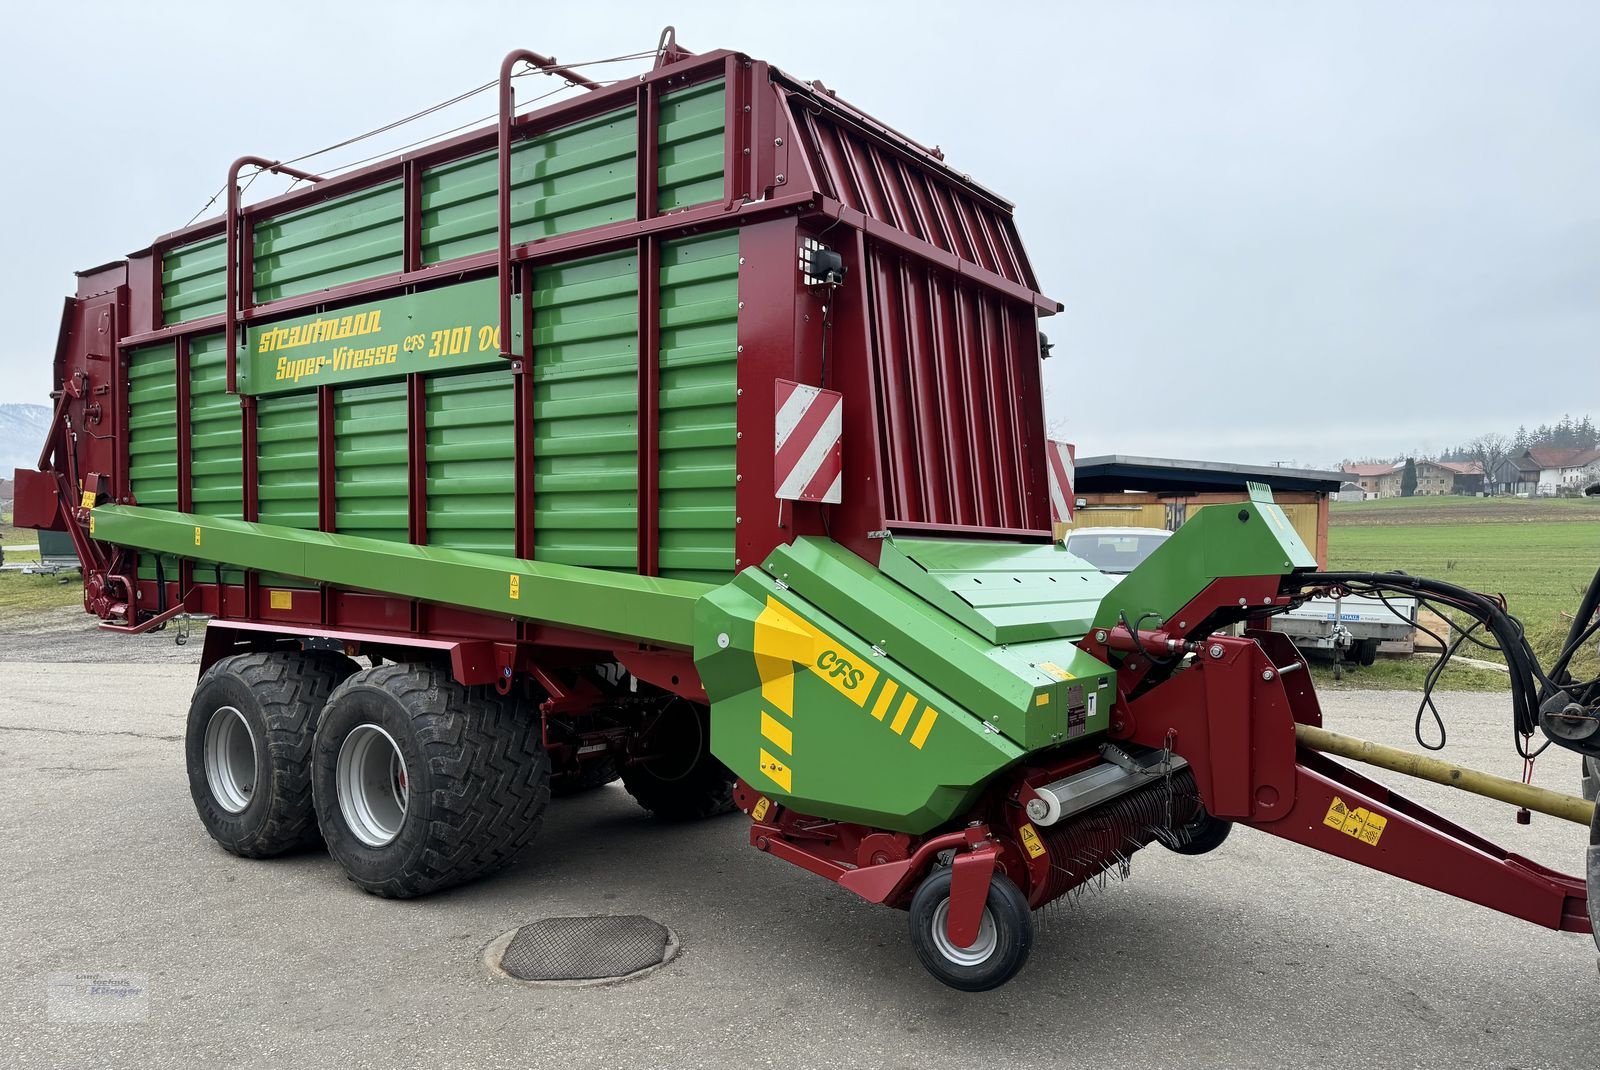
{"x":1449,"y":477}
{"x":1352,"y":492}
{"x":1375,"y":480}
{"x":1550,"y":469}
{"x":1509,"y":478}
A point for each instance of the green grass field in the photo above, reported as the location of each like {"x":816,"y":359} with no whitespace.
{"x":1459,"y":509}
{"x":1539,"y":553}
{"x":21,"y":594}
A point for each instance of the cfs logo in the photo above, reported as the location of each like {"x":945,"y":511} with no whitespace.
{"x":830,"y":662}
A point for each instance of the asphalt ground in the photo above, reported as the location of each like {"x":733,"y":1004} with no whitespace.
{"x":1262,"y":954}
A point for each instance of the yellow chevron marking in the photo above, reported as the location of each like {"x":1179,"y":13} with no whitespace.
{"x":919,"y":735}
{"x":781,"y":737}
{"x":902,"y":716}
{"x":881,"y":707}
{"x":783,"y":640}
{"x":779,"y":643}
{"x":776,"y":771}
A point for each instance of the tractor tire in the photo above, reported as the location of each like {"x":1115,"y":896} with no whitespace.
{"x":248,"y":743}
{"x":1591,"y":778}
{"x":683,"y":780}
{"x":1201,"y":836}
{"x":1005,"y":935}
{"x":587,"y":777}
{"x":421,"y":783}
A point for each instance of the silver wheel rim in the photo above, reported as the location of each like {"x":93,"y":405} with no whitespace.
{"x":229,"y":755}
{"x":372,"y":785}
{"x":982,"y":948}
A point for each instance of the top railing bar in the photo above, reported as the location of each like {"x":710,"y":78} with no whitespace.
{"x":230,"y":326}
{"x":442,"y":151}
{"x":508,"y":99}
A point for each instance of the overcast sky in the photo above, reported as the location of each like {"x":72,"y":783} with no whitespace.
{"x":1282,"y":231}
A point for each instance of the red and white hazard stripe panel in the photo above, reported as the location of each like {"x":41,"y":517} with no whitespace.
{"x":1062,"y":457}
{"x":807,"y":465}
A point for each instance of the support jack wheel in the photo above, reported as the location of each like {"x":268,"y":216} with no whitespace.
{"x":1005,"y":934}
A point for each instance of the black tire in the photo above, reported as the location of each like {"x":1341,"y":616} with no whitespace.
{"x":1004,"y":942}
{"x":276,"y":698}
{"x":681,"y":780}
{"x":587,"y":777}
{"x":473,"y":774}
{"x":1366,"y":653}
{"x":1591,"y":778}
{"x":1201,"y":836}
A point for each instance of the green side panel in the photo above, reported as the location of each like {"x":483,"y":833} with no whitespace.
{"x":371,"y":492}
{"x":194,"y":280}
{"x":153,"y":437}
{"x":286,"y":463}
{"x":471,"y":457}
{"x":1006,"y":592}
{"x":699,"y":391}
{"x":585,"y":411}
{"x":640,"y":608}
{"x":690,"y":134}
{"x":573,"y":178}
{"x":216,"y":440}
{"x":347,"y":239}
{"x":804,"y":708}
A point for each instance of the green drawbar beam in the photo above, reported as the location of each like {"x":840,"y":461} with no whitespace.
{"x":643,"y":608}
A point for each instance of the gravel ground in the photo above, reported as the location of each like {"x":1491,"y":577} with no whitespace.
{"x":1262,"y":954}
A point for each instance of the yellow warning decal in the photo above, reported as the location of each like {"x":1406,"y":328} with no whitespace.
{"x":281,"y":600}
{"x":88,"y":499}
{"x":759,"y":810}
{"x":1055,"y":670}
{"x":197,"y":536}
{"x":1042,"y":699}
{"x":1359,"y":822}
{"x":516,"y":586}
{"x":1030,"y":841}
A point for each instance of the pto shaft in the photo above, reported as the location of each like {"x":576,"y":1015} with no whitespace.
{"x":1554,"y":803}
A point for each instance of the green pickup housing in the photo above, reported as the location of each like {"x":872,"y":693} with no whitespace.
{"x":891,"y":695}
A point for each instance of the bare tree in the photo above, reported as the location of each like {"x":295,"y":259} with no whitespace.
{"x":1490,"y":451}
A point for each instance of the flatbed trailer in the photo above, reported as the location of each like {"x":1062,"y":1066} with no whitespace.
{"x":689,"y":430}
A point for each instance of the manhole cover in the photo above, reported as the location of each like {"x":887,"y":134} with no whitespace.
{"x":583,"y":949}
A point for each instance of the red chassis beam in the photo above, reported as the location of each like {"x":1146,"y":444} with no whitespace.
{"x":1231,"y":714}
